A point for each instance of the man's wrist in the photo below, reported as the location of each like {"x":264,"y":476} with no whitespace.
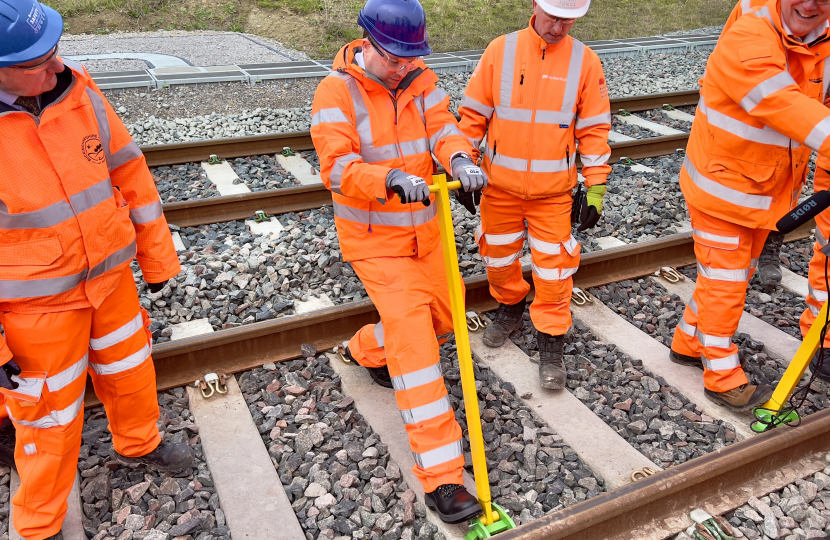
{"x":460,"y":154}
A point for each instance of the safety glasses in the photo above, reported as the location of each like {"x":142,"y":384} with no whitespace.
{"x":565,"y":22}
{"x":38,"y":68}
{"x":395,"y":64}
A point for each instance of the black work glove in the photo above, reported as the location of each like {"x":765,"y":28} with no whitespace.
{"x":9,"y":368}
{"x":468,"y":199}
{"x":591,"y":207}
{"x":156,"y":287}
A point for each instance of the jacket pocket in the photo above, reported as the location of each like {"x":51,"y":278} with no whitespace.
{"x":40,"y":252}
{"x":352,"y":218}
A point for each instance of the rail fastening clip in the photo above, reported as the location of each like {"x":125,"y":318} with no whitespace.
{"x":214,"y":160}
{"x":212,"y":383}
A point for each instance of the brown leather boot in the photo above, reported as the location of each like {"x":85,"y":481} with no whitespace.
{"x":742,"y":398}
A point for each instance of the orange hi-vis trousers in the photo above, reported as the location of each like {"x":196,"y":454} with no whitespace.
{"x":727,"y":255}
{"x":554,"y":253}
{"x":112,"y":344}
{"x":411,"y":295}
{"x":816,"y":289}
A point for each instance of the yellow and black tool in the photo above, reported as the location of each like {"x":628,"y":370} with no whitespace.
{"x":494,"y":519}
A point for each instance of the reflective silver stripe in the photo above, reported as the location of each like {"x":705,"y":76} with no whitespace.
{"x":69,"y":375}
{"x":582,"y":123}
{"x":719,"y":364}
{"x":35,"y":288}
{"x":732,"y":240}
{"x":552,"y":165}
{"x":574,"y":75}
{"x":504,"y":239}
{"x":594,"y":161}
{"x":438,"y":456}
{"x":332,"y":115}
{"x":91,"y":196}
{"x":722,"y":274}
{"x":419,"y":104}
{"x":554,"y":274}
{"x":501,"y":262}
{"x":549,"y":248}
{"x":713,"y":341}
{"x":692,"y":305}
{"x":753,"y":263}
{"x":765,"y":135}
{"x":760,"y":202}
{"x":32,"y":387}
{"x":419,"y":146}
{"x":814,"y":310}
{"x":745,"y":6}
{"x":117,"y":336}
{"x":371,"y":154}
{"x":123,"y":255}
{"x":822,"y":241}
{"x":687,"y":328}
{"x":570,"y":244}
{"x":147,"y":213}
{"x":37,"y":219}
{"x":766,"y":88}
{"x":826,"y":78}
{"x":819,"y":134}
{"x":816,"y":294}
{"x":446,"y":131}
{"x":125,"y":155}
{"x":417,"y":378}
{"x":508,"y":66}
{"x":426,"y":412}
{"x":336,"y":176}
{"x":514,"y":164}
{"x":480,"y":108}
{"x":131,"y":361}
{"x":395,"y":219}
{"x":554,"y":117}
{"x":515,"y":115}
{"x":55,"y":418}
{"x":434,"y":98}
{"x":764,"y":13}
{"x":379,"y":335}
{"x":30,"y":449}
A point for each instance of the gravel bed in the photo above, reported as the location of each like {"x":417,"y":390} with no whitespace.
{"x":652,"y":416}
{"x":5,"y":501}
{"x":183,"y":182}
{"x":705,"y":30}
{"x":531,"y":471}
{"x":114,"y":64}
{"x":201,"y":48}
{"x":139,"y":503}
{"x":631,"y":130}
{"x":658,"y":116}
{"x":800,"y":510}
{"x":796,"y":256}
{"x":626,"y":75}
{"x":261,"y":173}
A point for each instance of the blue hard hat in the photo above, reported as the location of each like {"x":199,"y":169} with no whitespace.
{"x":398,"y":26}
{"x":28,"y":30}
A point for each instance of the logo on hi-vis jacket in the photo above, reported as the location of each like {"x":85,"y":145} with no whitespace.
{"x":92,"y":149}
{"x":603,"y":88}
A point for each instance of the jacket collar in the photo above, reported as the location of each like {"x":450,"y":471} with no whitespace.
{"x":414,"y":83}
{"x":538,"y":43}
{"x":65,"y":79}
{"x":772,"y":10}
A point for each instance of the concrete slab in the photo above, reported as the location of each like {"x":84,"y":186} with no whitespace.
{"x":161,"y":61}
{"x":300,"y":168}
{"x":378,"y":406}
{"x":793,"y":282}
{"x":195,"y":327}
{"x":660,"y":129}
{"x":683,"y":226}
{"x":679,"y":115}
{"x":252,"y":497}
{"x":776,"y":342}
{"x":641,"y":168}
{"x":313,"y":304}
{"x":611,"y":328}
{"x":223,"y":175}
{"x":72,"y":526}
{"x":600,"y":447}
{"x":613,"y":136}
{"x":273,"y":227}
{"x":177,"y":241}
{"x":607,"y":242}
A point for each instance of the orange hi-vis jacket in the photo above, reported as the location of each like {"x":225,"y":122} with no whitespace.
{"x":77,"y":203}
{"x":532,"y":101}
{"x":361,"y":131}
{"x":760,"y":114}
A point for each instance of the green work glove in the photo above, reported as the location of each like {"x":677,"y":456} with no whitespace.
{"x":591,"y":207}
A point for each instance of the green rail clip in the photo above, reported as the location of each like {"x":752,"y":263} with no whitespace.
{"x":286,"y":151}
{"x":214,"y":160}
{"x":479,"y":530}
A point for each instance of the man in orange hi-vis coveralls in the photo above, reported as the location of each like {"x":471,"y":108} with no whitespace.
{"x":534,"y":94}
{"x":376,"y":121}
{"x":761,"y":113}
{"x":77,"y":204}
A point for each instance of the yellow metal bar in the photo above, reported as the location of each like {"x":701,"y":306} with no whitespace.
{"x":799,"y":363}
{"x":462,"y":341}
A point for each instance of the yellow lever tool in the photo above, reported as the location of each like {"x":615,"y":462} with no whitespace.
{"x":495,"y":519}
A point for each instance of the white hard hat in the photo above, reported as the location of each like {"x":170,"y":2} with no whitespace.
{"x":566,"y":9}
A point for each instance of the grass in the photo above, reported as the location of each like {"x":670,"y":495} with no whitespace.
{"x":321,"y":27}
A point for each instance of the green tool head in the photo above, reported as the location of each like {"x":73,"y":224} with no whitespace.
{"x":768,"y":419}
{"x":479,"y":530}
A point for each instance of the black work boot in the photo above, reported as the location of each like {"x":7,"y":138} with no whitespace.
{"x":167,"y":458}
{"x":769,"y":263}
{"x":684,"y":360}
{"x":552,"y":372}
{"x":379,"y":374}
{"x":7,"y":441}
{"x":824,"y":372}
{"x":508,"y":320}
{"x":58,"y":536}
{"x":453,"y":503}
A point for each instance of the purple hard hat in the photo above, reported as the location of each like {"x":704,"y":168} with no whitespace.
{"x":398,"y":26}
